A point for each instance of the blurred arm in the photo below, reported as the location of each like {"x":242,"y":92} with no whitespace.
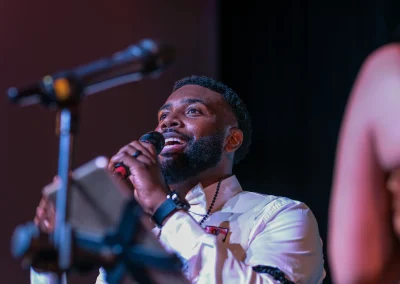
{"x":361,"y":239}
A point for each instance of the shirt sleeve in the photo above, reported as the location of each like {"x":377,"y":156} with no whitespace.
{"x":286,"y":237}
{"x":45,"y":277}
{"x":101,"y":279}
{"x":52,"y":278}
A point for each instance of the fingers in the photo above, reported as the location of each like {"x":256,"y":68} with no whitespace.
{"x":146,"y":149}
{"x":43,"y":202}
{"x":40,"y":212}
{"x":125,"y":155}
{"x":45,"y":215}
{"x":150,"y":147}
{"x":128,"y":160}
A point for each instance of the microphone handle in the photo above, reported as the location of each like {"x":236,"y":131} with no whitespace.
{"x":155,"y":138}
{"x":121,"y":171}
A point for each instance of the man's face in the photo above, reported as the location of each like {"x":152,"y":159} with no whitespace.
{"x":193,"y":122}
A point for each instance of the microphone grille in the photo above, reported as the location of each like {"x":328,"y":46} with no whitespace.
{"x":155,"y":138}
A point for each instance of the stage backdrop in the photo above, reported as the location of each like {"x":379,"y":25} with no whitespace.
{"x":41,"y":37}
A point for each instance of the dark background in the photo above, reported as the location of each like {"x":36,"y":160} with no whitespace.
{"x":293,"y":62}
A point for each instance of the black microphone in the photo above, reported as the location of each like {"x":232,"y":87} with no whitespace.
{"x":129,"y":65}
{"x":153,"y":137}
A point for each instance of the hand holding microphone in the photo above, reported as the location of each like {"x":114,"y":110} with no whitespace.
{"x":154,"y":138}
{"x":138,"y":162}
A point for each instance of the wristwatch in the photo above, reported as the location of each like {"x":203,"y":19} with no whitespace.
{"x":171,"y":204}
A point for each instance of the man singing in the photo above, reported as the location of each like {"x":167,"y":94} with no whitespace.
{"x":227,"y":235}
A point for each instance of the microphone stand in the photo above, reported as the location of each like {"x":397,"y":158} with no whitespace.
{"x":67,"y":93}
{"x":66,"y":250}
{"x":66,"y":123}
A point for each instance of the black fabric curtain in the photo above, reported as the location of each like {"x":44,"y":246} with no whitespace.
{"x":294,"y":63}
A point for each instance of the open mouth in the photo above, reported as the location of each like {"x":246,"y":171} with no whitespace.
{"x":173,"y":141}
{"x":173,"y":144}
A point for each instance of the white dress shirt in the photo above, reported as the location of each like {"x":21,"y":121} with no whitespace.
{"x":263,"y":230}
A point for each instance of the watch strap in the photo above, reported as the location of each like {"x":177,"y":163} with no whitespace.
{"x":171,"y":204}
{"x":162,"y":212}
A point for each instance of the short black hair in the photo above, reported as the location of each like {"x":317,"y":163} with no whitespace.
{"x":237,"y":105}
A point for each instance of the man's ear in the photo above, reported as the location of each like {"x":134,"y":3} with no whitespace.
{"x":234,"y":139}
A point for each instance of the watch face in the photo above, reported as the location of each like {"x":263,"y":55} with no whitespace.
{"x":180,"y":204}
{"x":175,"y":197}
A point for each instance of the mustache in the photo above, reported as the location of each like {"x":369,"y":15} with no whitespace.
{"x":185,"y":136}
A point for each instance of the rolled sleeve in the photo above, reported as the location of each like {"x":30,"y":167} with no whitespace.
{"x":289,"y":239}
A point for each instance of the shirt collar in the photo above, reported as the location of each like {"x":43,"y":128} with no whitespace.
{"x":200,"y":198}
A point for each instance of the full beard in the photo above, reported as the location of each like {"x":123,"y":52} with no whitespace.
{"x":199,"y":156}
